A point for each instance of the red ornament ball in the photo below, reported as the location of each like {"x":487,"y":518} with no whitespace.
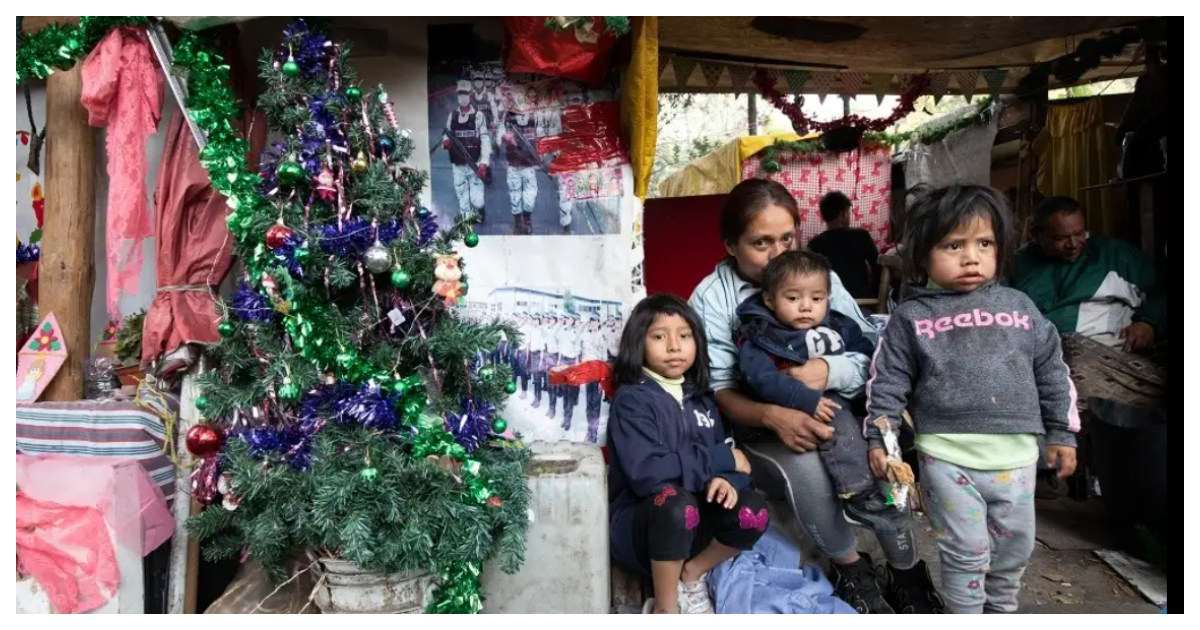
{"x":495,"y":501}
{"x":278,"y":235}
{"x":205,"y":440}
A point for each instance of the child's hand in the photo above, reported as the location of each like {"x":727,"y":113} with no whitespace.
{"x":743,"y":464}
{"x":723,"y":492}
{"x":825,"y":410}
{"x":879,"y":462}
{"x":1064,"y":457}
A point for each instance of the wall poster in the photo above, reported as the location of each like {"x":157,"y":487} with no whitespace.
{"x":540,"y":161}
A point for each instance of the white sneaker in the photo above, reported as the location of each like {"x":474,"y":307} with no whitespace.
{"x":648,"y":607}
{"x":693,"y":597}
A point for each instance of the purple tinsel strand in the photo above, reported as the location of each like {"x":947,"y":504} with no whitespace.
{"x":429,"y":229}
{"x":390,"y":231}
{"x":473,"y":426}
{"x":30,"y":253}
{"x":249,"y":305}
{"x":369,"y":408}
{"x":286,"y":256}
{"x":322,"y":403}
{"x":307,"y":48}
{"x":352,"y":239}
{"x":263,"y":440}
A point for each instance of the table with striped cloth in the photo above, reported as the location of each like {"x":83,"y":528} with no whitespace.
{"x":94,"y":428}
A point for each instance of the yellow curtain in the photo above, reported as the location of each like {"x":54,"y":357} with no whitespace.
{"x":1076,"y":150}
{"x":639,"y":102}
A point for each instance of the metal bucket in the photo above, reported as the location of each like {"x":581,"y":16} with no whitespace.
{"x":348,"y":589}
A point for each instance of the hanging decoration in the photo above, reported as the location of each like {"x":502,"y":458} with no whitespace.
{"x":1090,"y":53}
{"x":712,"y":72}
{"x":59,"y":46}
{"x":966,"y":80}
{"x":994,"y":77}
{"x":803,"y":125}
{"x":770,"y":155}
{"x":585,"y":26}
{"x":796,"y":80}
{"x":880,"y":83}
{"x":852,"y":83}
{"x":578,"y":50}
{"x":822,"y":84}
{"x":938,"y":84}
{"x":684,"y":66}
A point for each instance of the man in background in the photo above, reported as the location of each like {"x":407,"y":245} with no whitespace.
{"x":851,"y":251}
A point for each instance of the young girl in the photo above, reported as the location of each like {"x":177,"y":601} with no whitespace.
{"x":679,"y":496}
{"x":981,"y":373}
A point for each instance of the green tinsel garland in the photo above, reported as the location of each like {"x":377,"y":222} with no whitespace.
{"x":616,"y":24}
{"x":926,"y":134}
{"x":59,"y":46}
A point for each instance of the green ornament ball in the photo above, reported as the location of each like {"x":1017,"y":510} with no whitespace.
{"x":401,"y":279}
{"x":486,"y":373}
{"x":369,"y":474}
{"x":510,"y":387}
{"x":226,"y":329}
{"x":289,"y":392}
{"x":471,"y":240}
{"x":289,"y":173}
{"x":354,"y":93}
{"x":202,"y":402}
{"x":291,"y":69}
{"x":464,"y":286}
{"x":499,"y":425}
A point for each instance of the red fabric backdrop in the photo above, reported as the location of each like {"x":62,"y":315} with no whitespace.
{"x":682,"y":242}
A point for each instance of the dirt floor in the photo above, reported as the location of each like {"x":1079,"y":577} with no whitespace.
{"x":1064,"y":575}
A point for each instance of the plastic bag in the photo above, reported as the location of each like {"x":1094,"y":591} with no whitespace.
{"x":250,"y":592}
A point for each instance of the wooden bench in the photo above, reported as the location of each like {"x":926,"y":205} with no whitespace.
{"x":890,"y":266}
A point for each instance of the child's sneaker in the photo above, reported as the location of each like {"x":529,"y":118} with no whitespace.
{"x":910,"y":591}
{"x":858,"y":585}
{"x":693,"y":597}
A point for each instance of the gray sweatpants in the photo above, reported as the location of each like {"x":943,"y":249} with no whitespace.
{"x":984,"y":524}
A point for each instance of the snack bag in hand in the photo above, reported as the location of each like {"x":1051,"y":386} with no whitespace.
{"x":900,"y":475}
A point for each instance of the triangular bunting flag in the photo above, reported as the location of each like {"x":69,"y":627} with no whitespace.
{"x":938,"y":82}
{"x":684,"y":66}
{"x":880,"y":83}
{"x":851,"y":83}
{"x":739,"y":75}
{"x":663,"y":60}
{"x":966,"y":80}
{"x":796,"y":80}
{"x":994,"y":77}
{"x":822,"y":84}
{"x":712,"y":72}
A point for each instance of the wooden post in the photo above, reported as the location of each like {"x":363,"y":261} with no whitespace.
{"x":66,"y":272}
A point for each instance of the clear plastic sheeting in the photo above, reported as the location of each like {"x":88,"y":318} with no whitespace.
{"x":962,"y":157}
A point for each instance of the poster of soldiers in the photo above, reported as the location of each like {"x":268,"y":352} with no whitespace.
{"x":495,"y":138}
{"x":568,"y":315}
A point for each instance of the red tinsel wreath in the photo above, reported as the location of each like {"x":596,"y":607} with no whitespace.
{"x":803,"y":124}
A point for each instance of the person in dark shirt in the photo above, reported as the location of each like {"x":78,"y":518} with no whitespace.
{"x":850,"y":251}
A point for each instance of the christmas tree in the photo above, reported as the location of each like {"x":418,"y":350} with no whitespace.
{"x":349,"y":416}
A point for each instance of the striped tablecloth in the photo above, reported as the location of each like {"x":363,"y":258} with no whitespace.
{"x":91,"y":428}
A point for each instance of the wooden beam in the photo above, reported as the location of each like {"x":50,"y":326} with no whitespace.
{"x":66,"y":271}
{"x":33,"y":23}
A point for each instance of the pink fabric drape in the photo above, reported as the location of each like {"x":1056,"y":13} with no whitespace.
{"x":194,"y":248}
{"x":122,"y":89}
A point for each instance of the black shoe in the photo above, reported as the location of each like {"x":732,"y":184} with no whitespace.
{"x":858,"y":585}
{"x":911,"y":592}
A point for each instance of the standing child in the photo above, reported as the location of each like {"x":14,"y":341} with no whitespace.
{"x":981,"y":372}
{"x":679,"y":495}
{"x":788,"y":324}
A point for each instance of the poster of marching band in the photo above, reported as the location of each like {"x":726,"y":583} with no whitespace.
{"x":554,"y":253}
